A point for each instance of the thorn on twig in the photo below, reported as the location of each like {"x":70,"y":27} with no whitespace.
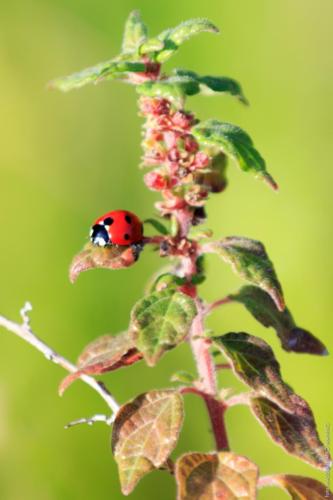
{"x":92,"y":420}
{"x":24,"y":312}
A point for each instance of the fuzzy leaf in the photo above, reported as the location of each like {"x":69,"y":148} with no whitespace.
{"x":106,"y":353}
{"x":253,"y":361}
{"x":166,"y":281}
{"x":295,"y":432}
{"x":303,"y":488}
{"x":91,"y":257}
{"x":160,"y":321}
{"x":151,"y":45}
{"x":144,"y":434}
{"x":210,"y":85}
{"x":236,"y":144}
{"x":135,"y":32}
{"x":174,"y":37}
{"x":112,"y":69}
{"x":175,"y":88}
{"x":208,"y":476}
{"x":250,"y":261}
{"x":262,"y":307}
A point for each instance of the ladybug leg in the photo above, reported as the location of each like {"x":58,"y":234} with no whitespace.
{"x":137,"y":249}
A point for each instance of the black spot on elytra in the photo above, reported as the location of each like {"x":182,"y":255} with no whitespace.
{"x":126,"y":236}
{"x":128,"y":219}
{"x":108,"y":221}
{"x":99,"y":231}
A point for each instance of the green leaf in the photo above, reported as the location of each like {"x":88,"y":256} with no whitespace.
{"x":166,"y":280}
{"x":144,"y":434}
{"x":92,"y":257}
{"x":104,"y":354}
{"x":151,"y":45}
{"x":112,"y":69}
{"x":210,"y":85}
{"x":253,"y":361}
{"x":302,"y":488}
{"x":209,"y":476}
{"x":249,"y":260}
{"x":295,"y":432}
{"x":236,"y":144}
{"x":174,"y":37}
{"x":262,"y":307}
{"x":135,"y":32}
{"x":158,"y":225}
{"x":160,"y":321}
{"x":175,"y":88}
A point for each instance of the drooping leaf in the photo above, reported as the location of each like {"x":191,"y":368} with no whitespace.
{"x":303,"y":488}
{"x":106,"y":353}
{"x":295,"y":432}
{"x":135,"y":32}
{"x":249,"y":260}
{"x":112,"y":69}
{"x":210,"y":85}
{"x":253,"y":361}
{"x":209,"y":476}
{"x":174,"y":37}
{"x":144,"y":434}
{"x":236,"y":144}
{"x":262,"y":307}
{"x":160,"y":321}
{"x":158,"y":225}
{"x":92,"y":257}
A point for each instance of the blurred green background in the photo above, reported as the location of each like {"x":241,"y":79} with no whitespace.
{"x":65,"y":159}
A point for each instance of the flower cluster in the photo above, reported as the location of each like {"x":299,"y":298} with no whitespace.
{"x":180,"y":163}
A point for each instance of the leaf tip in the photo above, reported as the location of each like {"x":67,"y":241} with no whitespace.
{"x":270,"y":181}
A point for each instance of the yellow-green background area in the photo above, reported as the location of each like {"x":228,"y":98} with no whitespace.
{"x":66,"y":159}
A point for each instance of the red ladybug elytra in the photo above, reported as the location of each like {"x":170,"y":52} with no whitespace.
{"x":118,"y":227}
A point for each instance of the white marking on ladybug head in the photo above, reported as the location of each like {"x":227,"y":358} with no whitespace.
{"x":99,"y":241}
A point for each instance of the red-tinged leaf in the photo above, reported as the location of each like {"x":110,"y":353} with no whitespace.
{"x":303,"y":488}
{"x":253,"y":361}
{"x":209,"y":476}
{"x":295,"y":432}
{"x":248,"y":259}
{"x":91,"y":257}
{"x":144,"y":434}
{"x":160,"y":321}
{"x":107,"y":353}
{"x":262,"y":307}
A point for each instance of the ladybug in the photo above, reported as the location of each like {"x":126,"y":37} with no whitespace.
{"x":118,"y":227}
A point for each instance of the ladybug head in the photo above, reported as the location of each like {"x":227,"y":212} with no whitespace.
{"x":99,"y":235}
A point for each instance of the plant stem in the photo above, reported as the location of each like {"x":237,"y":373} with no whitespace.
{"x":208,"y":384}
{"x":24,"y":332}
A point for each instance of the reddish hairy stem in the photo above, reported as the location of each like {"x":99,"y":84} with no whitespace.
{"x":216,"y":410}
{"x":206,"y":370}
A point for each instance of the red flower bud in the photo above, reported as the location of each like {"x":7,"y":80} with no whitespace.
{"x":201,"y":160}
{"x":159,"y":182}
{"x":154,"y":106}
{"x":190,"y":144}
{"x":182,"y":120}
